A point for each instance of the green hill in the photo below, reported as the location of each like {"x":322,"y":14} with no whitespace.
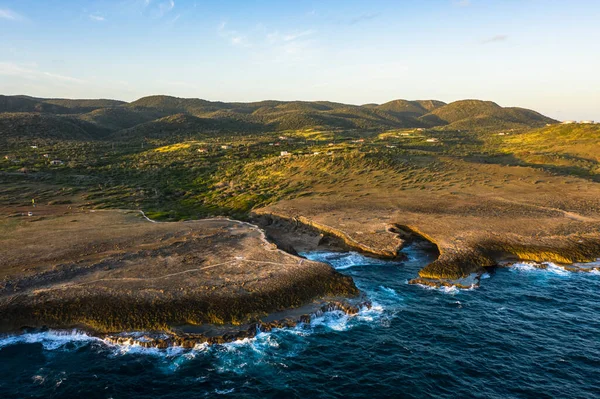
{"x":34,"y":126}
{"x":181,"y":125}
{"x":411,"y":108}
{"x":27,"y":104}
{"x":83,"y":106}
{"x":160,"y":116}
{"x":117,"y":118}
{"x":483,"y":115}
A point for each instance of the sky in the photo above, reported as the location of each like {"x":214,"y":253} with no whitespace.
{"x":538,"y":54}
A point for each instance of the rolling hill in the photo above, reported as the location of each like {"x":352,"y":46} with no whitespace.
{"x":483,"y":115}
{"x":165,"y":116}
{"x":26,"y":104}
{"x":35,"y":126}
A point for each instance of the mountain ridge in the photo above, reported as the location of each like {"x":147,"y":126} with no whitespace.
{"x":162,"y":116}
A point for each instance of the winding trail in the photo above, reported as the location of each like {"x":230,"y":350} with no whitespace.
{"x":64,"y":286}
{"x":237,"y":259}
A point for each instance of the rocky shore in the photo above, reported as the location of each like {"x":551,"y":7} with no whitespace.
{"x":472,"y":227}
{"x":113,"y":271}
{"x":191,"y":340}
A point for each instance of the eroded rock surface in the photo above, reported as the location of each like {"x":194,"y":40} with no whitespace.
{"x":115,"y":271}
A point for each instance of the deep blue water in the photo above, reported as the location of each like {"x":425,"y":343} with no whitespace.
{"x":524,"y":333}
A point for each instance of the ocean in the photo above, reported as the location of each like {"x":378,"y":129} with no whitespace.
{"x":523,"y":333}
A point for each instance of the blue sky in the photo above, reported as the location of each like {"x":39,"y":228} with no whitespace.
{"x":540,"y":54}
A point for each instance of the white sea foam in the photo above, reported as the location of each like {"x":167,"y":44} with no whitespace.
{"x":224,"y":391}
{"x":389,"y":291}
{"x":450,"y":290}
{"x":535,"y":267}
{"x":50,"y":340}
{"x":235,"y":354}
{"x":343,"y":260}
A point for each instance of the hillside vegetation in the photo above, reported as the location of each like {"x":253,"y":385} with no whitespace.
{"x":475,"y":178}
{"x":168,"y":117}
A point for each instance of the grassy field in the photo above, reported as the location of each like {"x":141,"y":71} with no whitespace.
{"x":233,"y":175}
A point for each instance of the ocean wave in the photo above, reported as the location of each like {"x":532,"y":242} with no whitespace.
{"x":544,"y":267}
{"x":73,"y":339}
{"x":343,"y":260}
{"x":389,"y":291}
{"x":50,"y":340}
{"x":447,"y":289}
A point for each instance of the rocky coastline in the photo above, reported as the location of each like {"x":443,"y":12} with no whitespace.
{"x":112,"y":271}
{"x":163,"y":340}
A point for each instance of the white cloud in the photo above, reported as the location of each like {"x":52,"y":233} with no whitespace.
{"x":165,"y":7}
{"x":31,"y":72}
{"x":153,"y":8}
{"x":494,"y":39}
{"x":273,"y":46}
{"x":5,"y":13}
{"x":296,"y":35}
{"x":234,"y":37}
{"x":95,"y":17}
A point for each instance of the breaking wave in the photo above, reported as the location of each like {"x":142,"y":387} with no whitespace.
{"x":460,"y":339}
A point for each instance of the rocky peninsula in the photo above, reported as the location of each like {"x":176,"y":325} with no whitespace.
{"x":114,"y":271}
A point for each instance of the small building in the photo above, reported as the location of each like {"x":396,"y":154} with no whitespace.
{"x":390,"y":146}
{"x":283,"y":138}
{"x":316,"y":153}
{"x":225,"y":147}
{"x":587,"y":122}
{"x":46,"y":155}
{"x":284,"y":154}
{"x":202,"y":150}
{"x":56,"y":162}
{"x":404,"y":134}
{"x":34,"y":147}
{"x":432,"y":140}
{"x":568,"y":122}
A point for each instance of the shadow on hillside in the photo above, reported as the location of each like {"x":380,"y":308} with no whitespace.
{"x":561,"y":170}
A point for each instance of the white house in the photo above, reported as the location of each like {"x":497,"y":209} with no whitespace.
{"x":225,"y":147}
{"x":568,"y":122}
{"x":587,"y":122}
{"x":432,"y":140}
{"x":284,"y":154}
